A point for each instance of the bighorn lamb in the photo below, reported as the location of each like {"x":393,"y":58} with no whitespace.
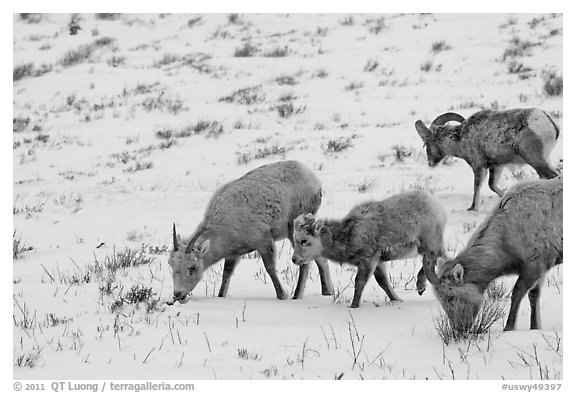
{"x":491,"y":140}
{"x":248,"y":214}
{"x":523,"y":236}
{"x":398,"y":227}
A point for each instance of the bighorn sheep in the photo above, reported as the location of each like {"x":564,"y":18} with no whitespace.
{"x":398,"y":227}
{"x":247,"y":214}
{"x":523,"y":236}
{"x":491,"y":140}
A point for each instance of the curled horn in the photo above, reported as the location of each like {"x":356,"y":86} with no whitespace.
{"x":446,"y":117}
{"x":192,"y":243}
{"x":174,"y":238}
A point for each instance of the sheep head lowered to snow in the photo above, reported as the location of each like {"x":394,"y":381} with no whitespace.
{"x":249,"y":214}
{"x":522,"y":236}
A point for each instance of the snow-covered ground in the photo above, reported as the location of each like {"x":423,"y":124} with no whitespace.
{"x":103,"y":162}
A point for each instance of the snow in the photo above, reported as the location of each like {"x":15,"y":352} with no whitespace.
{"x":250,"y":334}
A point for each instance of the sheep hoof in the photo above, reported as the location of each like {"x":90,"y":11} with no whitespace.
{"x":327,"y":292}
{"x":421,"y":291}
{"x":471,"y":209}
{"x":282,"y":296}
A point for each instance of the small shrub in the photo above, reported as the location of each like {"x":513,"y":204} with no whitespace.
{"x":234,"y":19}
{"x":427,"y":65}
{"x":347,"y":20}
{"x":74,"y":24}
{"x":116,"y":61}
{"x":85,"y":51}
{"x":401,"y":153}
{"x":287,"y":96}
{"x":277,"y":52}
{"x":262,"y":152}
{"x":375,"y":26}
{"x":246,"y":96}
{"x":77,"y":56}
{"x":28,"y":359}
{"x":19,"y":124}
{"x":535,"y":22}
{"x":138,"y":293}
{"x":125,"y":259}
{"x":244,"y":354}
{"x":19,"y":246}
{"x":354,"y":85}
{"x":246,"y":50}
{"x":518,"y":48}
{"x":337,"y":145}
{"x":32,"y":18}
{"x":22,"y":71}
{"x":285,"y":80}
{"x":321,"y":31}
{"x":440,"y":46}
{"x":139,"y":166}
{"x":320,"y":73}
{"x":366,"y":185}
{"x":458,"y":326}
{"x":166,"y":144}
{"x":53,"y":320}
{"x":553,"y":83}
{"x":167,"y":59}
{"x":371,"y":65}
{"x":29,"y":70}
{"x":103,"y":42}
{"x":195,"y":21}
{"x":516,"y":67}
{"x":285,"y":109}
{"x":108,"y":16}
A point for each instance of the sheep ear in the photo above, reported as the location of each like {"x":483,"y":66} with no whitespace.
{"x":422,"y":130}
{"x":458,"y":273}
{"x":204,"y":247}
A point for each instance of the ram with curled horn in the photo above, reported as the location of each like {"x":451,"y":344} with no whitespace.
{"x":489,"y":141}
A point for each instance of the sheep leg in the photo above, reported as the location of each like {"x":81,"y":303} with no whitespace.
{"x":229,"y":266}
{"x":428,"y":259}
{"x":365,"y":270}
{"x":534,"y":297}
{"x":381,"y":276}
{"x":520,"y":288}
{"x":268,"y":253}
{"x":325,"y":280}
{"x":302,"y":278}
{"x":479,"y":176}
{"x":495,"y":173}
{"x":421,"y":281}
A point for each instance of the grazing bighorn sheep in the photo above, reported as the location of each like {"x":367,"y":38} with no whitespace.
{"x":398,"y":227}
{"x":491,"y":140}
{"x":523,"y":236}
{"x":247,"y":214}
